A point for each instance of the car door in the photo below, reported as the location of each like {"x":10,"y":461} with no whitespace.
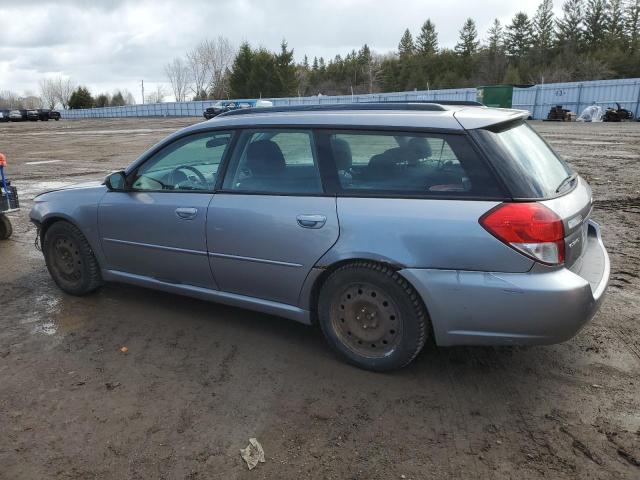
{"x":156,"y":228}
{"x":271,"y":221}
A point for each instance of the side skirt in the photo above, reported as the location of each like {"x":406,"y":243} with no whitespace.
{"x":259,"y":305}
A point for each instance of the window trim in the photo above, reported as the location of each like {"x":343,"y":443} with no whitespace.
{"x":335,"y":188}
{"x":279,"y":129}
{"x":159,"y":148}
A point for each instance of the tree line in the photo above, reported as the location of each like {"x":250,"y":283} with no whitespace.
{"x":591,"y":39}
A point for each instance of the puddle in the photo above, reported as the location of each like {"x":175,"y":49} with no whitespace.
{"x":42,"y":162}
{"x":43,"y":318}
{"x":54,"y":315}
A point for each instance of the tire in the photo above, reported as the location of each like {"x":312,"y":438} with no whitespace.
{"x":5,"y":227}
{"x":372,"y":316}
{"x":70,"y":259}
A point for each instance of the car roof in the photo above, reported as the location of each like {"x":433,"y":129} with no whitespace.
{"x":399,"y":115}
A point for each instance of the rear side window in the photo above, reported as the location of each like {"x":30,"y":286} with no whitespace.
{"x":530,"y":168}
{"x":409,"y":164}
{"x":274,"y":161}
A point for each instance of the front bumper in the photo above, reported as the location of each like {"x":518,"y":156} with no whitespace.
{"x":543,"y":306}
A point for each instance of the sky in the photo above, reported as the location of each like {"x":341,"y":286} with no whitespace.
{"x":113,"y":44}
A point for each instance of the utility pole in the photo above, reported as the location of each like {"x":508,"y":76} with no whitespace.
{"x":142,"y":85}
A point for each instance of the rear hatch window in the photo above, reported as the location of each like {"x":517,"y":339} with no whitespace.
{"x":527,"y":164}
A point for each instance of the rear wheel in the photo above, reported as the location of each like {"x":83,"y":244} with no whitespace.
{"x":5,"y":227}
{"x":70,"y":260}
{"x":372,"y":316}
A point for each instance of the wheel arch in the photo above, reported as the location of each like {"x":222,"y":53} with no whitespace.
{"x":46,"y":223}
{"x":311,"y":292}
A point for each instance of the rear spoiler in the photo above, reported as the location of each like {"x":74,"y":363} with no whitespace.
{"x":471,"y":118}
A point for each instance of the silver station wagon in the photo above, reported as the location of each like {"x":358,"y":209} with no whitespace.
{"x":386,"y":224}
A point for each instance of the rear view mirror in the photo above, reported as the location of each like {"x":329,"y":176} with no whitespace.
{"x":116,"y":182}
{"x":217,"y":141}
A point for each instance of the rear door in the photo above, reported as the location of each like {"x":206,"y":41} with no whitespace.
{"x":271,"y":221}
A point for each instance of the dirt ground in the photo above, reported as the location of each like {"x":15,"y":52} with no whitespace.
{"x":200,"y":379}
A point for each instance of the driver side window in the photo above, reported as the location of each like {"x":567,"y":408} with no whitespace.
{"x":188,"y":164}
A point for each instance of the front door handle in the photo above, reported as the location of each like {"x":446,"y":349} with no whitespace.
{"x":311,"y":221}
{"x":186,"y":213}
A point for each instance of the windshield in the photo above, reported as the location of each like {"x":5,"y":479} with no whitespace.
{"x":529,"y":166}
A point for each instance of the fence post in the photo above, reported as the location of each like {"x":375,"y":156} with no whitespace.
{"x":535,"y":101}
{"x":579,"y":99}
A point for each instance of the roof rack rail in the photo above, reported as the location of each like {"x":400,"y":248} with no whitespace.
{"x":413,"y":106}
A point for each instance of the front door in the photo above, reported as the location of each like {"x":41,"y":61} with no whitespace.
{"x":271,"y":221}
{"x":157,"y":227}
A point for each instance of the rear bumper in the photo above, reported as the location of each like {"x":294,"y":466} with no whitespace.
{"x":543,"y":306}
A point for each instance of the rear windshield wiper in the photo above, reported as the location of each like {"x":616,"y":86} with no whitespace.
{"x":566,"y":181}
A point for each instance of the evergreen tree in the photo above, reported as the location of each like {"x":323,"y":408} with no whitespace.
{"x":102,"y":100}
{"x":286,"y":72}
{"x":241,"y":72}
{"x":427,"y":42}
{"x":616,"y":22}
{"x":468,"y":43}
{"x":571,"y":25}
{"x":117,"y":100}
{"x":632,"y":21}
{"x":543,"y":32}
{"x":406,"y":47}
{"x":81,"y":98}
{"x":519,"y":37}
{"x":595,"y":21}
{"x":496,"y":37}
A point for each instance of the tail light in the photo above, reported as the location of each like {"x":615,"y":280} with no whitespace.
{"x":530,"y":228}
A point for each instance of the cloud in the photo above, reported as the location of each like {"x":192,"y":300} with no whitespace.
{"x":110,"y":44}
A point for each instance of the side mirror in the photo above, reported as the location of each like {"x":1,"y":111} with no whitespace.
{"x":116,"y":182}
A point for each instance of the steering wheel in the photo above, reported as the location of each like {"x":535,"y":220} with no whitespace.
{"x":194,"y":170}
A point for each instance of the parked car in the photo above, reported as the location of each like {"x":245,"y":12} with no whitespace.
{"x":33,"y":115}
{"x":18,"y":115}
{"x":43,"y":114}
{"x":4,"y":115}
{"x":54,"y":115}
{"x":228,"y":105}
{"x":384,"y":223}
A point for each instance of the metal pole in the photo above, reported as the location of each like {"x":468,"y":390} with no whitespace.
{"x":142,"y":85}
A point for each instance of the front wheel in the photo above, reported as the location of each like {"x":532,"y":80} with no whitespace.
{"x":372,"y":316}
{"x":70,"y":259}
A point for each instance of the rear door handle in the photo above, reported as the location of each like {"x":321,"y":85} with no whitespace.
{"x":186,"y":213}
{"x":311,"y":221}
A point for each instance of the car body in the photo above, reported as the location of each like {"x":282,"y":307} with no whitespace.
{"x":18,"y":115}
{"x":224,"y":106}
{"x":4,"y":115}
{"x":43,"y":114}
{"x":33,"y":115}
{"x":54,"y":115}
{"x":459,"y":220}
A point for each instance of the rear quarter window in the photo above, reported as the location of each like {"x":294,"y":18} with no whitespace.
{"x":408,"y":164}
{"x":528,"y":165}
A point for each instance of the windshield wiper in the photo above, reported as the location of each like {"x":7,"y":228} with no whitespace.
{"x":566,"y":181}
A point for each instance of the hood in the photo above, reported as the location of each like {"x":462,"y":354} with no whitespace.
{"x":74,"y":186}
